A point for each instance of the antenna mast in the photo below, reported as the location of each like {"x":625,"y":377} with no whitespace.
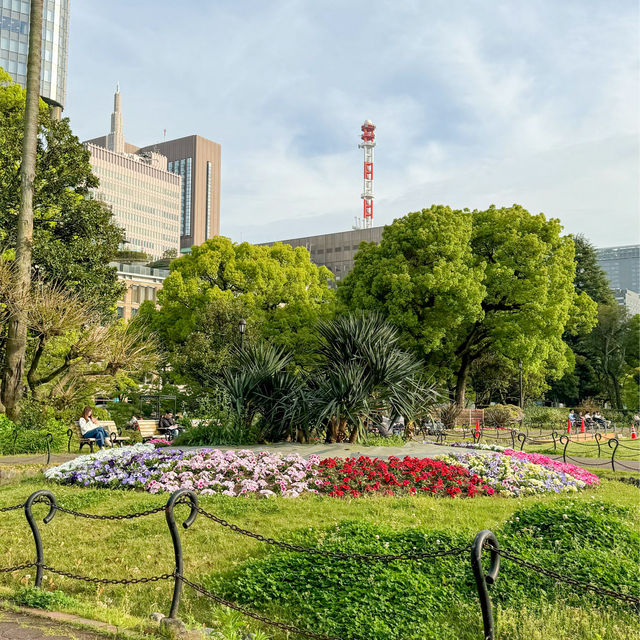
{"x":368,"y":142}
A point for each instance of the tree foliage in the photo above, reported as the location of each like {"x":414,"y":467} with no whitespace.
{"x":460,"y":284}
{"x":75,"y":237}
{"x":278,"y":291}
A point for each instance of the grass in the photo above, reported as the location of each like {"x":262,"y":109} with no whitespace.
{"x":142,"y":547}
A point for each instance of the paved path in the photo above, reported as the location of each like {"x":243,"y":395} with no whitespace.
{"x":19,"y":625}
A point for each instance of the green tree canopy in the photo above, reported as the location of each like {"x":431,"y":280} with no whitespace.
{"x":590,"y":276}
{"x":278,"y":291}
{"x":459,"y":284}
{"x":75,"y":237}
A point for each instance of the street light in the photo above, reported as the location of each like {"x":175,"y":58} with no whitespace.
{"x":521,"y":396}
{"x":242,"y":327}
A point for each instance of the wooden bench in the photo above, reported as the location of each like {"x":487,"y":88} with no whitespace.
{"x":149,"y":430}
{"x":108,"y":425}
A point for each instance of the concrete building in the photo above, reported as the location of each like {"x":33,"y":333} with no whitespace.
{"x":630,"y":300}
{"x":197,"y":161}
{"x":145,"y":198}
{"x":142,"y":283}
{"x":14,"y":46}
{"x":622,"y":266}
{"x":336,"y":250}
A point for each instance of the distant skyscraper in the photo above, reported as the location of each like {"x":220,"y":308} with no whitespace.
{"x":14,"y":46}
{"x":145,"y":198}
{"x":197,"y":160}
{"x":622,"y":266}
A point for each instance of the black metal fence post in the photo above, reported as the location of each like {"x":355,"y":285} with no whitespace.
{"x":513,"y":438}
{"x":39,"y":496}
{"x":522,"y":437}
{"x":554,"y":436}
{"x":182,"y":495}
{"x":482,"y":578}
{"x":49,"y":441}
{"x":564,"y":439}
{"x":597,"y":436}
{"x":613,"y":454}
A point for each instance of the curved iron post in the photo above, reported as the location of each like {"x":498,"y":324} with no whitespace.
{"x":476,"y":436}
{"x":554,"y":436}
{"x":483,"y":579}
{"x":112,"y":437}
{"x":522,"y":437}
{"x":49,"y":440}
{"x":564,"y":439}
{"x":192,"y":500}
{"x":42,"y":495}
{"x":597,"y":436}
{"x":613,"y":455}
{"x":70,"y":434}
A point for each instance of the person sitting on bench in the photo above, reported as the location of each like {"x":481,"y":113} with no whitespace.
{"x":90,"y":428}
{"x":168,"y":424}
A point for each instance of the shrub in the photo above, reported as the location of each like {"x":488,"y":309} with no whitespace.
{"x":591,"y":541}
{"x":449,"y":415}
{"x":547,"y":416}
{"x":503,"y":415}
{"x":31,"y":438}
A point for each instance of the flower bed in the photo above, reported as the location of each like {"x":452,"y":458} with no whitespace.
{"x":577,"y":472}
{"x":409,"y":476}
{"x":514,"y":476}
{"x":243,"y":473}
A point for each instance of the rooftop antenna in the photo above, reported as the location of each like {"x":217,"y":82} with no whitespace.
{"x":368,"y":142}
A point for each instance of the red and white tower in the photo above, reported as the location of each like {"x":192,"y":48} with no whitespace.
{"x":368,"y":142}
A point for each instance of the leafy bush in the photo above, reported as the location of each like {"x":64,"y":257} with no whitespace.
{"x":437,"y":599}
{"x":547,"y":416}
{"x":503,"y":415}
{"x":41,"y":599}
{"x":449,"y":415}
{"x":224,"y":430}
{"x":121,"y":413}
{"x":31,"y":438}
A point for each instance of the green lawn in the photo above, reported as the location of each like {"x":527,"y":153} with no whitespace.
{"x":142,"y":547}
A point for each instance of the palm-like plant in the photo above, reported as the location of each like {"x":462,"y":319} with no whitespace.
{"x":262,"y":391}
{"x":363,"y":370}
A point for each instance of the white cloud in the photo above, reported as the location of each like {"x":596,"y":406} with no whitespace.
{"x":535,"y":103}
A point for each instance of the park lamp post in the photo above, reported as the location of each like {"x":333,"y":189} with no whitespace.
{"x":242,"y":327}
{"x":521,"y":396}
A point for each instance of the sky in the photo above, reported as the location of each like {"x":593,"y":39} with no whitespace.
{"x":475,"y":103}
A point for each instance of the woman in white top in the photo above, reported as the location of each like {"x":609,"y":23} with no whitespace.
{"x":90,"y":428}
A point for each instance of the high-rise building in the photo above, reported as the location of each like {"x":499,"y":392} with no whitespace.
{"x":145,"y":198}
{"x":622,"y":266}
{"x":14,"y":46}
{"x":336,"y":251}
{"x":197,"y":161}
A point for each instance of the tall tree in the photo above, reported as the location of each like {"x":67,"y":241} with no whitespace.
{"x":74,"y":237}
{"x":590,"y":276}
{"x":12,"y":383}
{"x":612,"y":350}
{"x":278,"y":291}
{"x":461,"y":284}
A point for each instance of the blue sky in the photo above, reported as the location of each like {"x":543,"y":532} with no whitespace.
{"x":475,"y":103}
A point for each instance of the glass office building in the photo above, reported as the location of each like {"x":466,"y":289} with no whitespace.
{"x":622,"y":266}
{"x":14,"y":46}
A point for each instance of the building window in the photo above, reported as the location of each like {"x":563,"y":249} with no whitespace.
{"x":207,"y":223}
{"x":120,"y":312}
{"x":187,"y":200}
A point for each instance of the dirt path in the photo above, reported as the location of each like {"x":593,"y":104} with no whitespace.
{"x":20,"y":625}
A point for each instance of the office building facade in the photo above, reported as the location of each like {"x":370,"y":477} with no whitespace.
{"x":14,"y":46}
{"x":142,"y":284}
{"x":622,"y":266}
{"x":197,"y":161}
{"x":336,"y":251}
{"x":144,"y":197}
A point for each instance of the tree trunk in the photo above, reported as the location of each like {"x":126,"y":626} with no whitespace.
{"x":461,"y":380}
{"x":12,"y":383}
{"x":342,"y":430}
